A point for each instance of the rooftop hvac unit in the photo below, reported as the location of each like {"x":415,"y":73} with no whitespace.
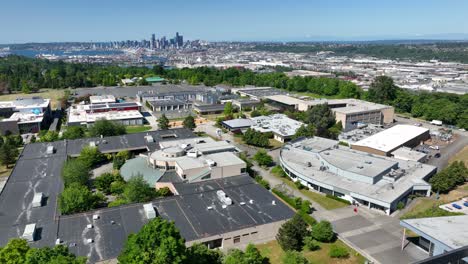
{"x":95,"y":217}
{"x":211,"y":163}
{"x":192,"y":154}
{"x":89,"y":241}
{"x":223,"y":197}
{"x":58,"y":241}
{"x":89,"y":226}
{"x":368,"y":162}
{"x":149,"y":139}
{"x":37,"y":200}
{"x":50,"y":150}
{"x":210,"y":208}
{"x":273,"y":202}
{"x":149,"y":211}
{"x":92,"y":144}
{"x":29,"y":232}
{"x":242,"y":203}
{"x":251,"y":201}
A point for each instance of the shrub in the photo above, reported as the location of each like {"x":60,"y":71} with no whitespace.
{"x":278,"y":171}
{"x":77,"y":198}
{"x":294,"y":257}
{"x":291,"y":234}
{"x":75,"y":171}
{"x":305,"y":206}
{"x":262,"y":182}
{"x":323,"y":232}
{"x":104,"y":181}
{"x":338,"y":252}
{"x":117,"y":187}
{"x":311,"y":244}
{"x":117,"y":202}
{"x":91,"y":156}
{"x":263,"y":158}
{"x":400,"y":205}
{"x":299,"y":185}
{"x":164,"y":192}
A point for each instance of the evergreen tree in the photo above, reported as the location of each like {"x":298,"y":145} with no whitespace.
{"x":163,"y":122}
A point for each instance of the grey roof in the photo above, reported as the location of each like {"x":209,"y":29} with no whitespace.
{"x":166,"y":102}
{"x":452,"y":231}
{"x":238,"y":123}
{"x":213,"y":107}
{"x":130,"y":141}
{"x":188,"y":211}
{"x":37,"y":171}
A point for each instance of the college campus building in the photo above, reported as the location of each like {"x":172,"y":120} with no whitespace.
{"x":361,"y":178}
{"x":438,"y":235}
{"x":25,"y":115}
{"x":105,"y":107}
{"x":386,"y":142}
{"x":222,"y":213}
{"x":164,"y":105}
{"x":350,"y":112}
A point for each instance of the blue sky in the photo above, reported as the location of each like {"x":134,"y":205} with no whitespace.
{"x":102,"y":20}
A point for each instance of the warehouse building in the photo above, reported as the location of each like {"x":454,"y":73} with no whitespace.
{"x":25,"y":115}
{"x":209,"y":109}
{"x":221,"y":213}
{"x":437,"y":235}
{"x":361,"y":178}
{"x":389,"y":140}
{"x":199,"y":93}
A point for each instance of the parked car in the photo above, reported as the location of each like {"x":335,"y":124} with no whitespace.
{"x":465,"y":204}
{"x":437,"y":155}
{"x":456,"y":206}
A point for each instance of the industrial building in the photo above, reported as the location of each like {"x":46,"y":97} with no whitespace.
{"x":282,"y":127}
{"x":350,"y":112}
{"x":209,"y":109}
{"x":389,"y":140}
{"x":221,"y":213}
{"x":127,"y":113}
{"x":203,"y":94}
{"x":361,"y":178}
{"x":438,"y":235}
{"x":237,"y":125}
{"x":25,"y":115}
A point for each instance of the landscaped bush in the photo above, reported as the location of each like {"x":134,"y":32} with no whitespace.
{"x":311,"y":244}
{"x":337,"y":198}
{"x":338,"y":252}
{"x":400,"y":205}
{"x":287,"y":199}
{"x":323,"y":231}
{"x":296,"y":203}
{"x":278,"y":171}
{"x":262,"y":182}
{"x":299,"y":185}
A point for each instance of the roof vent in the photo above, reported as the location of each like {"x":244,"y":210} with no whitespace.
{"x":50,"y":150}
{"x":360,"y":167}
{"x":210,"y":208}
{"x":211,"y":162}
{"x":273,"y":202}
{"x":89,"y":241}
{"x":58,"y":241}
{"x":29,"y":232}
{"x":368,"y":162}
{"x":37,"y":200}
{"x":89,"y":226}
{"x":149,"y":211}
{"x":92,"y":144}
{"x":251,"y":201}
{"x":242,"y":203}
{"x":149,"y":139}
{"x":95,"y":217}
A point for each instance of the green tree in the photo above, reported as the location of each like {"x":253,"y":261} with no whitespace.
{"x":255,"y":138}
{"x":158,"y":242}
{"x":104,"y":181}
{"x":49,"y":136}
{"x":201,"y":254}
{"x":322,"y":118}
{"x":77,"y":198}
{"x":75,"y":171}
{"x":56,"y":255}
{"x":120,"y":158}
{"x":291,"y":234}
{"x":189,"y":122}
{"x":323,"y":232}
{"x":106,"y":128}
{"x":14,"y":252}
{"x":8,"y":154}
{"x":74,"y":132}
{"x":311,"y":244}
{"x":250,"y":256}
{"x":163,"y":122}
{"x":307,"y":131}
{"x":137,"y":190}
{"x":263,"y":158}
{"x":337,"y":251}
{"x":294,"y":257}
{"x":228,"y":109}
{"x":91,"y":156}
{"x":382,"y":90}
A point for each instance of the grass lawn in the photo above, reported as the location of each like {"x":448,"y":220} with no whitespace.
{"x":53,"y":94}
{"x":423,"y":205}
{"x":136,"y":129}
{"x":462,"y":155}
{"x":321,"y":199}
{"x":273,"y":251}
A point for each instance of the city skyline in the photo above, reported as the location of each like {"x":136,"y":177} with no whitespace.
{"x":58,"y":21}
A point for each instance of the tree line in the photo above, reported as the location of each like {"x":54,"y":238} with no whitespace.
{"x":20,"y":73}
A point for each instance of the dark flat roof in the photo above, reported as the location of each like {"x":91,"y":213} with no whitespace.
{"x":37,"y":171}
{"x":165,"y":102}
{"x":213,"y":107}
{"x":188,"y":211}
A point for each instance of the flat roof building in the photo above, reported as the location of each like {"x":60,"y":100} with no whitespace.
{"x":254,"y":214}
{"x":208,"y":109}
{"x":351,"y":112}
{"x":127,"y":113}
{"x":237,"y":125}
{"x":387,"y":141}
{"x":282,"y":127}
{"x":362,"y":178}
{"x":438,"y":235}
{"x":165,"y":105}
{"x":25,"y":115}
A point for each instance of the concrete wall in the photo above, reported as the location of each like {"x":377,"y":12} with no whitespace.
{"x":388,"y":115}
{"x":256,"y":234}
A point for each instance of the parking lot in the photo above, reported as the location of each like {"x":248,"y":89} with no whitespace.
{"x":460,"y":206}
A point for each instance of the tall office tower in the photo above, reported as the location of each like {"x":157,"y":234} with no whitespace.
{"x":153,"y":41}
{"x":179,"y":40}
